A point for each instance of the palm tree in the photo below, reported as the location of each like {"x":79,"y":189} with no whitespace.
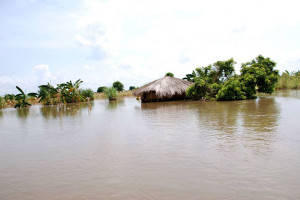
{"x":23,"y":99}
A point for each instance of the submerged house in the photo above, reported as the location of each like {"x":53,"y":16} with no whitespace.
{"x":163,"y":89}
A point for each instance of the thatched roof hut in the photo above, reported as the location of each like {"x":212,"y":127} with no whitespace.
{"x":163,"y":89}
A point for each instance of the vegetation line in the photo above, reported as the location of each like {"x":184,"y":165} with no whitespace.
{"x":217,"y":81}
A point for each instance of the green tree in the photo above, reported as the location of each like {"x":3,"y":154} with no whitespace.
{"x":101,"y":89}
{"x":132,"y":88}
{"x":231,"y":90}
{"x":197,"y":90}
{"x":169,"y":74}
{"x":118,"y":85}
{"x":262,"y":73}
{"x":209,"y":80}
{"x":224,"y":69}
{"x":218,"y":81}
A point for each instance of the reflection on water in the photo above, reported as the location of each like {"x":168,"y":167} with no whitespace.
{"x":71,"y":109}
{"x":262,"y":116}
{"x":167,"y":150}
{"x":23,"y":112}
{"x":111,"y":105}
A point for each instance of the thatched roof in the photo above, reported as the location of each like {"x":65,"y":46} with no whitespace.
{"x":165,"y":87}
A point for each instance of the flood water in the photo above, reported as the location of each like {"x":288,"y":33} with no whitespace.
{"x":172,"y":150}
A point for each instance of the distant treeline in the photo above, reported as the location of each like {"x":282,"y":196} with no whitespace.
{"x":62,"y":93}
{"x":217,"y":81}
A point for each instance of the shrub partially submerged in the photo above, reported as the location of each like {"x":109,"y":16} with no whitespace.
{"x":111,"y":93}
{"x":87,"y":93}
{"x":219,"y":81}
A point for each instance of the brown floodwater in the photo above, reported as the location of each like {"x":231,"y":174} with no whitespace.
{"x":172,"y":150}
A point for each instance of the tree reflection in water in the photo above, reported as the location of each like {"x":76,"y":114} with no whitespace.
{"x":23,"y":112}
{"x":260,"y":121}
{"x":112,"y":105}
{"x":70,"y":109}
{"x":253,"y":121}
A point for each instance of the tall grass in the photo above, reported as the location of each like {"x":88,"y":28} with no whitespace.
{"x":289,"y":80}
{"x":120,"y":94}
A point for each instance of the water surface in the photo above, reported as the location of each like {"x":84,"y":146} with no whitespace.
{"x":172,"y":150}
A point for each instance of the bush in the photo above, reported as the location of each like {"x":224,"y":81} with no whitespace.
{"x":264,"y":76}
{"x":87,"y":93}
{"x":111,"y":93}
{"x":132,"y":88}
{"x":220,"y":81}
{"x":197,"y":90}
{"x":118,"y":86}
{"x":169,"y":74}
{"x":232,"y":90}
{"x":101,"y":89}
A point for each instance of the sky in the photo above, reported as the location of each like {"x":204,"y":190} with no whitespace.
{"x":138,"y":41}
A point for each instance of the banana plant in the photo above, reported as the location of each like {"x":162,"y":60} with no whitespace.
{"x":48,"y":94}
{"x":190,"y":77}
{"x":69,"y":92}
{"x":23,"y":99}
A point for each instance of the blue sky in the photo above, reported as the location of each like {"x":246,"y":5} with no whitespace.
{"x":137,"y":41}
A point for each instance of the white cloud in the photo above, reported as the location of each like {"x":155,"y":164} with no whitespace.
{"x":136,"y":41}
{"x":88,"y":67}
{"x":154,"y":37}
{"x":83,"y":41}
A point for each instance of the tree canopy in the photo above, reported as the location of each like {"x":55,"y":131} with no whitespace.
{"x":118,"y":86}
{"x":169,"y":74}
{"x":219,"y":81}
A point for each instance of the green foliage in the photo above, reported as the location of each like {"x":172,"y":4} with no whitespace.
{"x":197,"y":90}
{"x":23,"y":99}
{"x":218,"y":81}
{"x":118,"y":86}
{"x":2,"y":102}
{"x":169,"y":74}
{"x":101,"y":89}
{"x":132,"y":88}
{"x":9,"y":97}
{"x":87,"y":93}
{"x":262,"y":71}
{"x":231,"y":90}
{"x":48,"y":95}
{"x":209,"y":80}
{"x":224,"y":69}
{"x":69,"y":92}
{"x":111,"y":93}
{"x":289,"y":80}
{"x":190,"y":77}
